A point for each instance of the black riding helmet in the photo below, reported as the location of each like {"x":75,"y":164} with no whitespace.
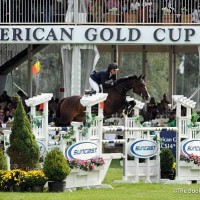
{"x":112,"y":66}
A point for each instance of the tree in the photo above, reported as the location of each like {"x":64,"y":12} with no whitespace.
{"x":167,"y":160}
{"x":23,"y":149}
{"x":3,"y":165}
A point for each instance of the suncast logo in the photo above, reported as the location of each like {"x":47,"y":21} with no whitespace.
{"x":191,"y":147}
{"x":83,"y":151}
{"x":41,"y":147}
{"x":143,"y":148}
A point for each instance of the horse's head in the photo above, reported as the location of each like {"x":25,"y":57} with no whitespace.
{"x":140,"y":87}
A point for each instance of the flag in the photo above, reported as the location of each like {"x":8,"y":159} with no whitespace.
{"x":36,"y":67}
{"x":181,"y":66}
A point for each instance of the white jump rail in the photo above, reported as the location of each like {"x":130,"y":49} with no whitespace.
{"x":186,"y":171}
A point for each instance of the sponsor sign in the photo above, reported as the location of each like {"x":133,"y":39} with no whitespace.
{"x":168,"y":140}
{"x":83,"y":150}
{"x":191,"y":147}
{"x":143,"y":148}
{"x":41,"y":147}
{"x":101,"y":34}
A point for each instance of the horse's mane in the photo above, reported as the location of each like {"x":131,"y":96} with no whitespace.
{"x":120,"y":80}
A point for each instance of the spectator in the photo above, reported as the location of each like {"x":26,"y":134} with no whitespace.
{"x":134,"y":5}
{"x":113,"y":4}
{"x":125,"y":6}
{"x":99,"y":10}
{"x":196,"y":14}
{"x":1,"y":117}
{"x":50,"y":116}
{"x":165,"y":99}
{"x":163,"y":106}
{"x":5,"y":98}
{"x":152,"y":108}
{"x":172,"y":119}
{"x":7,"y":116}
{"x":12,"y":112}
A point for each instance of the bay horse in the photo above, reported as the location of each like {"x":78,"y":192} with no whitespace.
{"x":70,"y":108}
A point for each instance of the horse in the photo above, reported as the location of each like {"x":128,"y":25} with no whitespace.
{"x":70,"y":108}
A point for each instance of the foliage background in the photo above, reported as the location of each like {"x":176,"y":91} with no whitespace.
{"x":50,"y":77}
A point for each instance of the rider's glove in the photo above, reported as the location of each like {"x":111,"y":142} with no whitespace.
{"x":113,"y":83}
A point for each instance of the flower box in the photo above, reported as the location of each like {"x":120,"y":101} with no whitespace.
{"x":75,"y":170}
{"x":130,"y":17}
{"x":111,"y":18}
{"x":86,"y":165}
{"x":83,"y":172}
{"x":186,"y":18}
{"x":168,"y":18}
{"x":97,"y":168}
{"x":195,"y":167}
{"x":185,"y":164}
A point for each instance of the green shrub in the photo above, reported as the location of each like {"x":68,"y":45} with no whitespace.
{"x":23,"y":150}
{"x":3,"y":164}
{"x":56,"y":166}
{"x":167,"y":160}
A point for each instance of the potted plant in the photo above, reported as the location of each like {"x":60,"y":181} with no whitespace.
{"x":36,"y":179}
{"x":167,"y":160}
{"x":13,"y":179}
{"x":112,"y":15}
{"x":2,"y":173}
{"x":56,"y":169}
{"x":167,"y":16}
{"x":185,"y":16}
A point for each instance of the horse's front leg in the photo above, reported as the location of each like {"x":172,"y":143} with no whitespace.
{"x":79,"y":118}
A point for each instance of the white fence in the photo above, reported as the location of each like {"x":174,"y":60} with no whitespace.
{"x":135,"y":168}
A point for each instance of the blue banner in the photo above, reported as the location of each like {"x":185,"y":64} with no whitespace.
{"x":168,"y":140}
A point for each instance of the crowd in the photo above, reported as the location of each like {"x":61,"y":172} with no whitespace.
{"x":8,"y":107}
{"x":158,"y":110}
{"x":56,"y":10}
{"x":147,"y":10}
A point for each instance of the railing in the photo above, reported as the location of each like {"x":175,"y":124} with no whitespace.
{"x":33,"y":11}
{"x":8,"y":51}
{"x":99,"y":11}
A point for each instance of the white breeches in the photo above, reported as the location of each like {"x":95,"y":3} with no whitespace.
{"x":95,"y":86}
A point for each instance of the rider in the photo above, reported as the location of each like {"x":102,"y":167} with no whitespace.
{"x":104,"y":78}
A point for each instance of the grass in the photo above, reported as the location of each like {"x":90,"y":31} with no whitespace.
{"x":128,"y":191}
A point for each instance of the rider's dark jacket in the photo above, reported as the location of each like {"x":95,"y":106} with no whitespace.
{"x":103,"y":77}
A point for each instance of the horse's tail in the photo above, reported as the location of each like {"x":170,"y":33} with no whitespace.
{"x":58,"y":109}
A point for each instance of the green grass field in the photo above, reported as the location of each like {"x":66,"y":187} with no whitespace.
{"x":128,"y":191}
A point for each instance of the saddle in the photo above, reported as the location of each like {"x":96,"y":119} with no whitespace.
{"x":90,"y":92}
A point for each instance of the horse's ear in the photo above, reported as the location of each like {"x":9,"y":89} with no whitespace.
{"x":139,"y":77}
{"x":143,"y":76}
